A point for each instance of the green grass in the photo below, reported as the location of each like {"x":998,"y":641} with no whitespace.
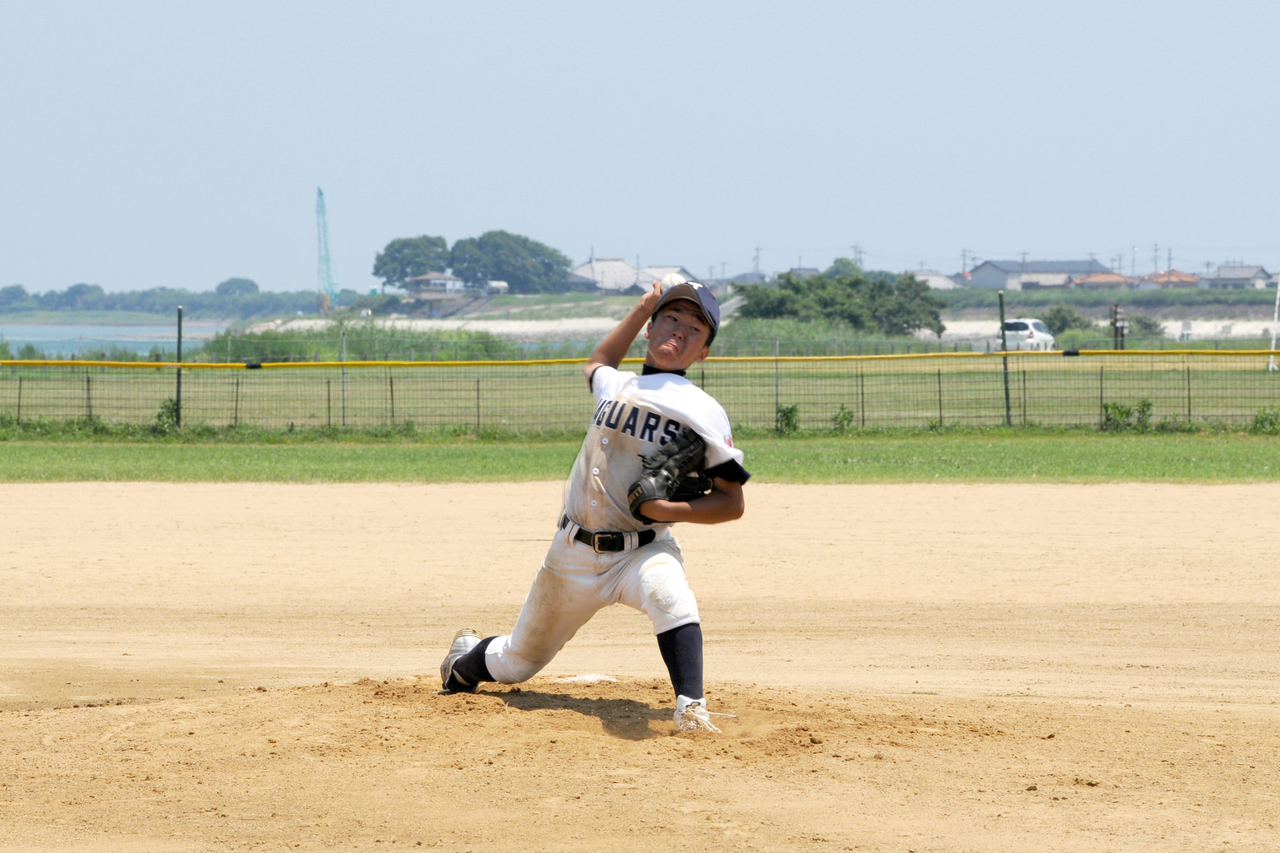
{"x":977,"y":456}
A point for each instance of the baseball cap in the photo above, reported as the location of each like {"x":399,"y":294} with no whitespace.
{"x":679,"y":287}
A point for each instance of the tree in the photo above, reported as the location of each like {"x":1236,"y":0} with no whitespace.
{"x":408,"y":257}
{"x":1061,"y":318}
{"x":15,"y":298}
{"x":236,"y":287}
{"x":80,"y":297}
{"x":526,"y":265}
{"x":842,"y":266}
{"x":1142,"y":326}
{"x":892,"y":305}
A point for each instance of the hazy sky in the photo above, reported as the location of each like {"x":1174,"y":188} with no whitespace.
{"x":181,"y":143}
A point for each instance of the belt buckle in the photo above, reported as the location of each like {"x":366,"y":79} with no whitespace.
{"x":601,"y":542}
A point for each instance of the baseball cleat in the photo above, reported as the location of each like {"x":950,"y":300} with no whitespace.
{"x":692,"y":716}
{"x":463,"y":642}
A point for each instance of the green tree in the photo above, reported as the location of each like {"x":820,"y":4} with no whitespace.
{"x":891,"y":305}
{"x":236,"y":287}
{"x":15,"y":298}
{"x":407,"y":257}
{"x":526,"y":265}
{"x":77,"y":297}
{"x":842,"y":266}
{"x":1061,"y":318}
{"x":1142,"y":326}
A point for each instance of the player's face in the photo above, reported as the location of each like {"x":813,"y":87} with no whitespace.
{"x":677,"y":337}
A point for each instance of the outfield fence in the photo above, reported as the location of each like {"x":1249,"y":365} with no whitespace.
{"x":1088,"y":388}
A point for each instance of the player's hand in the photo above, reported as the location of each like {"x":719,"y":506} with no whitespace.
{"x":650,"y":298}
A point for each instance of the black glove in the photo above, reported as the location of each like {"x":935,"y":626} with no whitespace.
{"x":667,"y":468}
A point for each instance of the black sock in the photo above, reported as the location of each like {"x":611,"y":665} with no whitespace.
{"x":470,"y":669}
{"x":682,"y":652}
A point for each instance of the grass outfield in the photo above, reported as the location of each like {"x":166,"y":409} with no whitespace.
{"x":963,"y":457}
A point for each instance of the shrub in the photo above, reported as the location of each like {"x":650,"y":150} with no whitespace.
{"x":786,"y":419}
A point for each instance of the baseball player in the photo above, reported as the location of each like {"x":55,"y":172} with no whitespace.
{"x":614,"y":542}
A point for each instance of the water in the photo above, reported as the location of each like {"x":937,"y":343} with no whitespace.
{"x":79,"y":340}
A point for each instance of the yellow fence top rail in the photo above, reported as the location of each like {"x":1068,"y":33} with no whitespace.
{"x":916,"y":356}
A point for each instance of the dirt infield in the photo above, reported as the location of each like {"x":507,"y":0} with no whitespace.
{"x":912,"y":668}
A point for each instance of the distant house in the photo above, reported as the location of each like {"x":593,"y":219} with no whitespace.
{"x":935,"y":279}
{"x":1008,"y":275}
{"x":1168,"y":278}
{"x":749,"y":278}
{"x":1238,"y":278}
{"x":610,"y":275}
{"x":1043,"y":281}
{"x":1104,"y":281}
{"x":437,"y":282}
{"x":616,"y":275}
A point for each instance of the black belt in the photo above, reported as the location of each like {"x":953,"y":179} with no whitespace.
{"x":607,"y":543}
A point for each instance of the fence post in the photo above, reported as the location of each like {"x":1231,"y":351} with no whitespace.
{"x":235,"y":412}
{"x":328,"y":402}
{"x":1024,"y":396}
{"x":1004,"y":347}
{"x":862,"y":397}
{"x":477,"y":404}
{"x":177,"y":418}
{"x":19,"y":399}
{"x":939,"y":397}
{"x":391,"y":384}
{"x":777,"y":400}
{"x":88,"y":398}
{"x":1102,"y":406}
{"x":1188,"y":393}
{"x":344,"y":378}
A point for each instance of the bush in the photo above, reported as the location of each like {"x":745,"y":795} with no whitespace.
{"x":1117,"y":417}
{"x":1062,"y":318}
{"x":1266,"y":422}
{"x":787,"y":419}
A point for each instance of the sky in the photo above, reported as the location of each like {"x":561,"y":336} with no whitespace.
{"x":162,"y":144}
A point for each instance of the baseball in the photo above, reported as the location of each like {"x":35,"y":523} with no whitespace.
{"x":671,"y":279}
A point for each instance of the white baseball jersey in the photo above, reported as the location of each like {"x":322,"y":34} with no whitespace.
{"x":634,"y":415}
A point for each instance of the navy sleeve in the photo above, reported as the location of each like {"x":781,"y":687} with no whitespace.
{"x":731,"y":471}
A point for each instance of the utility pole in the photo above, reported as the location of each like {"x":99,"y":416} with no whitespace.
{"x":1024,"y":261}
{"x":1169,"y":264}
{"x":857,"y":254}
{"x":964,"y":260}
{"x":756,"y":260}
{"x":1155,"y":257}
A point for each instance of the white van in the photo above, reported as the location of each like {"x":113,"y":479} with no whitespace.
{"x":1027,"y":333}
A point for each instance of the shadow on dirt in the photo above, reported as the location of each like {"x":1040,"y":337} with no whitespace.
{"x":628,"y":719}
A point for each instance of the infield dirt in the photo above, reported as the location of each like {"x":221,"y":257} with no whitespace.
{"x":912,"y":668}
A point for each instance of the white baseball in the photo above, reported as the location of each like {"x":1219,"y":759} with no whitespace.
{"x":671,"y":279}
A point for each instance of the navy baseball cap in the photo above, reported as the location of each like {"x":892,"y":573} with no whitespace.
{"x":697,"y":293}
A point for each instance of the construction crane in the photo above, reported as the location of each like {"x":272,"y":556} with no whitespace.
{"x":324,"y":275}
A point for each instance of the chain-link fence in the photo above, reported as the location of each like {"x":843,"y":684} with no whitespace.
{"x":836,"y":393}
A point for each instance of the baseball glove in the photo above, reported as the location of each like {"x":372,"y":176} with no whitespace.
{"x":674,"y":468}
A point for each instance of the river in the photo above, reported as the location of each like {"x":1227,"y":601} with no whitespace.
{"x":84,"y":340}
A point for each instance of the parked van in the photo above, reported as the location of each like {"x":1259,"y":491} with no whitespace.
{"x":1025,"y":333}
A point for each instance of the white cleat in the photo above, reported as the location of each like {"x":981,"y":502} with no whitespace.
{"x":692,"y":716}
{"x":463,"y":642}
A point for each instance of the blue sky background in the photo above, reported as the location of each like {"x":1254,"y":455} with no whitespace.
{"x":149,"y":144}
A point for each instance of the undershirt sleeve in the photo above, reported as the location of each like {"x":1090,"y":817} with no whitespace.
{"x":731,"y":471}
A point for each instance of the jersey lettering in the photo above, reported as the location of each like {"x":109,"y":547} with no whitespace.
{"x":615,"y":414}
{"x":669,"y":432}
{"x":630,"y":425}
{"x":651,"y":422}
